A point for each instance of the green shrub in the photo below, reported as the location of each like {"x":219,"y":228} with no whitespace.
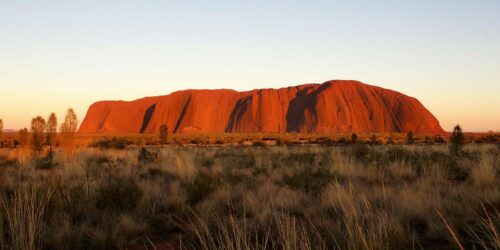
{"x":205,"y":161}
{"x":96,"y":166}
{"x":118,"y":194}
{"x":147,"y":157}
{"x":301,"y":158}
{"x":397,"y":154}
{"x":360,"y":152}
{"x":153,"y":173}
{"x":46,"y":162}
{"x":234,"y":176}
{"x":457,"y":170}
{"x":73,"y":200}
{"x":202,"y":185}
{"x":235,"y":158}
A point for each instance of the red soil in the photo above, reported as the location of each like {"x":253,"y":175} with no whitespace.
{"x":334,"y":106}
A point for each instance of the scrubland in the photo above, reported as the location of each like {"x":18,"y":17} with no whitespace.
{"x":235,"y":139}
{"x":331,"y":196}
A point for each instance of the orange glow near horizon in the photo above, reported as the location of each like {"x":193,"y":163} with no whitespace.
{"x":17,"y":113}
{"x":60,"y":54}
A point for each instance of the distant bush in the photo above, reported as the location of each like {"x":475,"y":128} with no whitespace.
{"x":259,"y":144}
{"x":439,"y":140}
{"x":342,"y":140}
{"x":489,"y":138}
{"x":280,"y":140}
{"x":427,"y":140}
{"x":390,"y":140}
{"x":195,"y":141}
{"x":113,"y":143}
{"x":6,"y":143}
{"x":326,"y":141}
{"x":178,"y":142}
{"x":6,"y":162}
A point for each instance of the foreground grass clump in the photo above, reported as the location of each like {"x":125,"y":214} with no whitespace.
{"x":351,"y":196}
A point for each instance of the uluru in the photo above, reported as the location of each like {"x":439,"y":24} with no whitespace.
{"x":337,"y":106}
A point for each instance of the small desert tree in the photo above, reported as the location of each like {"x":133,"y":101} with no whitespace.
{"x":409,"y":138}
{"x":24,"y":139}
{"x":457,"y":141}
{"x":37,"y":129}
{"x":68,"y":130}
{"x":163,"y":134}
{"x":354,"y":138}
{"x":51,"y":130}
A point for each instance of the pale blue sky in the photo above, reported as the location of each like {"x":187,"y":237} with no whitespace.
{"x":60,"y":54}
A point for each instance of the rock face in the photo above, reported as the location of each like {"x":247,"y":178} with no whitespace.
{"x":334,"y":106}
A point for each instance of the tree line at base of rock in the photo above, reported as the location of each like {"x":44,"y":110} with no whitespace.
{"x":456,"y":140}
{"x":43,"y":134}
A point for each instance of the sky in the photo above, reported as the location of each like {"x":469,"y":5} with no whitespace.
{"x":60,"y":54}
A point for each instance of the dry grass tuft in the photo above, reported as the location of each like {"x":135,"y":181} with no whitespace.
{"x":24,"y":217}
{"x":294,"y":196}
{"x":484,"y":173}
